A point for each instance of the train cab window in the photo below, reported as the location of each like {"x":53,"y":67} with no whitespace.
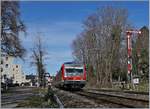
{"x":74,"y":70}
{"x":69,"y":70}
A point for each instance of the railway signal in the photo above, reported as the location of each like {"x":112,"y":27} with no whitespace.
{"x":129,"y":51}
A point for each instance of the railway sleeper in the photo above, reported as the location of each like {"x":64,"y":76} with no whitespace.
{"x":117,"y":100}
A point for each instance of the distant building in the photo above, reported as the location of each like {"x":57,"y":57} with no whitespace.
{"x":31,"y":79}
{"x":17,"y":74}
{"x":11,"y":73}
{"x":6,"y":67}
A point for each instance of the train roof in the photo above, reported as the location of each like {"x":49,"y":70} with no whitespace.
{"x":72,"y":63}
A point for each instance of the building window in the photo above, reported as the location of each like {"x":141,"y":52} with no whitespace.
{"x":13,"y":69}
{"x":6,"y":58}
{"x":16,"y":66}
{"x":1,"y":61}
{"x":6,"y":65}
{"x":5,"y":76}
{"x":1,"y":69}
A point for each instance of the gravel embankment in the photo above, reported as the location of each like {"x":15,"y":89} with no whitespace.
{"x":72,"y":100}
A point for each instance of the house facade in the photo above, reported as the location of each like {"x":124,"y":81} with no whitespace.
{"x":10,"y":72}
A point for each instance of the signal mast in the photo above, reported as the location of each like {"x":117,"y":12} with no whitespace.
{"x":129,"y":51}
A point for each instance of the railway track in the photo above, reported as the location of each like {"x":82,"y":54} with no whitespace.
{"x":72,"y":100}
{"x":12,"y":101}
{"x":124,"y":99}
{"x":105,"y":99}
{"x":122,"y":91}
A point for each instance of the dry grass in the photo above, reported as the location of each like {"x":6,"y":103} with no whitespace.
{"x":39,"y":101}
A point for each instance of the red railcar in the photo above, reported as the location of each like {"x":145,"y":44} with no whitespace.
{"x":71,"y":75}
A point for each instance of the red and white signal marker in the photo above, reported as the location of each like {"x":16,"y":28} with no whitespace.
{"x":129,"y":47}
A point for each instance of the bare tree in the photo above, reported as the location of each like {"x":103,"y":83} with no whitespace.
{"x":101,"y":42}
{"x":141,"y":53}
{"x":38,"y":57}
{"x":10,"y":28}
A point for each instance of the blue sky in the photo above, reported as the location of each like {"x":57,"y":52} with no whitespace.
{"x":60,"y":22}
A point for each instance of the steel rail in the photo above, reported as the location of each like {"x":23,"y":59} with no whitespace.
{"x":58,"y":101}
{"x":120,"y":100}
{"x":122,"y":91}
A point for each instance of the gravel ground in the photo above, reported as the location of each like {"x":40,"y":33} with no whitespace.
{"x":72,"y":100}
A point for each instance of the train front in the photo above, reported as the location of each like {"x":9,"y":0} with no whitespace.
{"x":74,"y":76}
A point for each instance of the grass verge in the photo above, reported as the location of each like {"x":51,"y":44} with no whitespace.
{"x":44,"y":99}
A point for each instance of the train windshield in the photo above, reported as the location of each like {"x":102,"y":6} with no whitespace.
{"x":73,"y":71}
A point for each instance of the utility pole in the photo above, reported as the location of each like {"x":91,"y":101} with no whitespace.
{"x":129,"y":51}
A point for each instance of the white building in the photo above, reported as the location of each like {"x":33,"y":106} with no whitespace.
{"x":6,"y":67}
{"x":10,"y":71}
{"x":17,"y":74}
